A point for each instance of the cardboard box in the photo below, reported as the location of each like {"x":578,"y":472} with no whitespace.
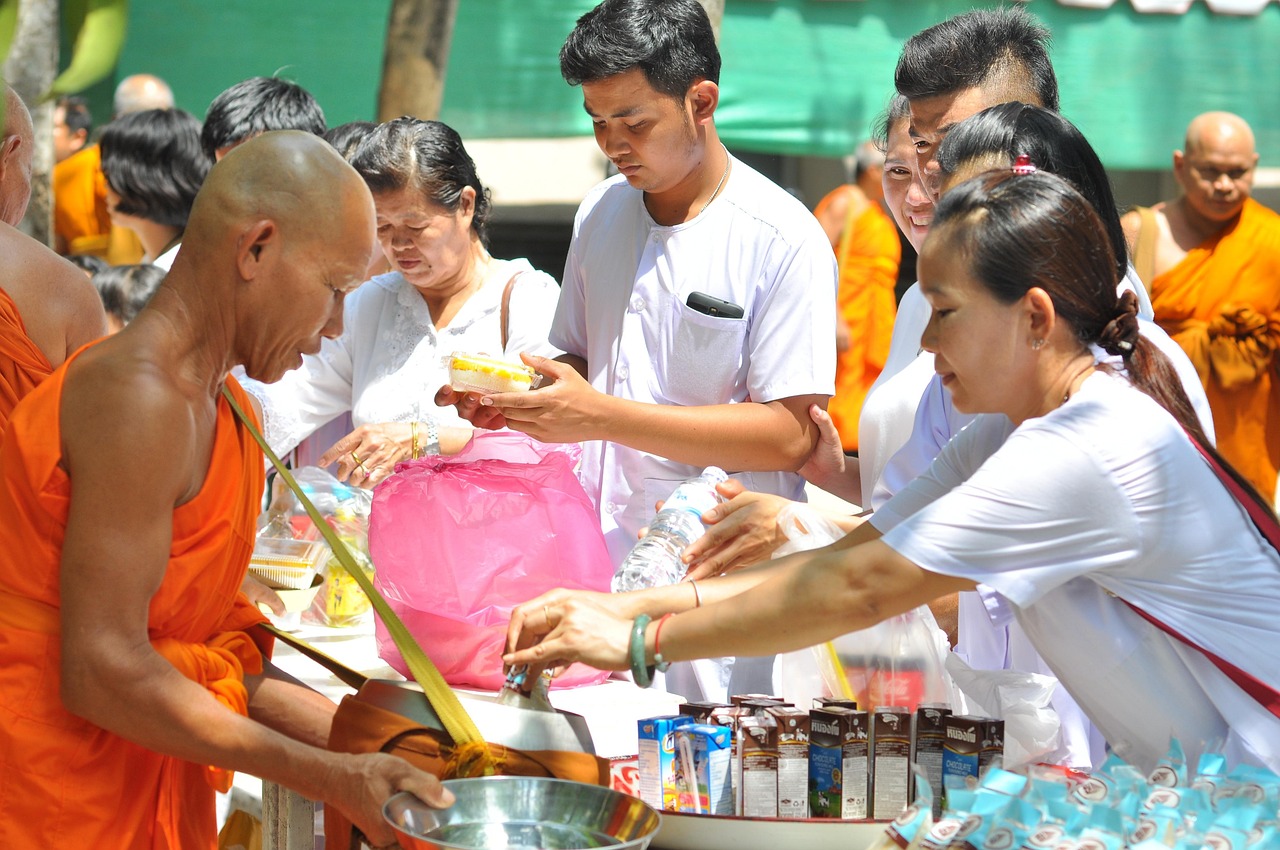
{"x":930,"y":738}
{"x":838,"y":763}
{"x":757,"y":777}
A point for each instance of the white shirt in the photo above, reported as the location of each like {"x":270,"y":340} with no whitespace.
{"x":622,"y":308}
{"x":165,"y":260}
{"x":1072,"y":508}
{"x":387,"y":364}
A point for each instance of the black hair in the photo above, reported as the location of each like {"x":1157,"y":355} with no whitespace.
{"x":409,"y":153}
{"x":1053,"y":144}
{"x":346,"y":138}
{"x":152,"y":160}
{"x":255,"y":106}
{"x":1018,"y":231}
{"x":125,"y":290}
{"x":899,"y":108}
{"x":671,"y":41}
{"x":88,"y":263}
{"x":973,"y":48}
{"x":75,"y":113}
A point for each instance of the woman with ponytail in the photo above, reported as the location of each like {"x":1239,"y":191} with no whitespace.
{"x":1136,"y":572}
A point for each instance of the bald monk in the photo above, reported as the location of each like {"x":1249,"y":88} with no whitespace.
{"x":128,"y":496}
{"x":48,"y":308}
{"x":868,"y":252}
{"x":1211,"y":258}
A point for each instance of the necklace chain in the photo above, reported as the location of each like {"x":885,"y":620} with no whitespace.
{"x":720,"y":185}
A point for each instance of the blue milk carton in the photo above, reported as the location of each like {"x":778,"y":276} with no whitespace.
{"x":702,"y":756}
{"x":659,"y":785}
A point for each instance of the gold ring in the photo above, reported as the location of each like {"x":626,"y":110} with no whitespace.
{"x":546,"y":613}
{"x":359,"y":462}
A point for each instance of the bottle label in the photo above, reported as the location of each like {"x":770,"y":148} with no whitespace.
{"x":692,"y":499}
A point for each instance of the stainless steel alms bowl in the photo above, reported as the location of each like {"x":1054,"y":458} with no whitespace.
{"x":516,"y":812}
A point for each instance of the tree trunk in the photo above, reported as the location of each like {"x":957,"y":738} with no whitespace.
{"x":715,"y":11}
{"x":30,"y":68}
{"x":418,"y":36}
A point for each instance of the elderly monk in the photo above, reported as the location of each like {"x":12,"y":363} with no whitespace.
{"x":48,"y":308}
{"x":130,"y":684}
{"x":868,"y":252}
{"x":1211,"y":259}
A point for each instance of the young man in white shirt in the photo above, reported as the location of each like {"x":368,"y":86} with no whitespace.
{"x":656,"y":386}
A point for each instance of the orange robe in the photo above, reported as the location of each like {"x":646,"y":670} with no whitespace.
{"x":1222,"y":305}
{"x":22,"y":364}
{"x":80,"y":217}
{"x":65,"y":782}
{"x":868,"y":256}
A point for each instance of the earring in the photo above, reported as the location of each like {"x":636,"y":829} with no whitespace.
{"x":1037,"y":344}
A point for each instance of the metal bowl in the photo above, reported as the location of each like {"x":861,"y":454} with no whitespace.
{"x":515,"y":812}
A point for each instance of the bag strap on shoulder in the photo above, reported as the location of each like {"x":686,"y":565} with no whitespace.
{"x":504,"y":312}
{"x":443,"y":700}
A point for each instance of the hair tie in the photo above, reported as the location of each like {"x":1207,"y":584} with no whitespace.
{"x":1120,"y":335}
{"x":1024,"y":165}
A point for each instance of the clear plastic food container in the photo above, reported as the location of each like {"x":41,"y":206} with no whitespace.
{"x":479,"y":373}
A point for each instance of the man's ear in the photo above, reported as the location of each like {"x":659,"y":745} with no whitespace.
{"x":8,"y":152}
{"x":704,"y":97}
{"x":254,"y":247}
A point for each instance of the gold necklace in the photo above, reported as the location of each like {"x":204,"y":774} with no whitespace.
{"x":727,"y":162}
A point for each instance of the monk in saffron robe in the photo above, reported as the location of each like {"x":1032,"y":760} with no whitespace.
{"x":1211,"y":259}
{"x":131,"y":677}
{"x":868,"y":252}
{"x":47,"y":306}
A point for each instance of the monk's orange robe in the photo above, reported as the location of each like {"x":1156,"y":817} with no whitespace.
{"x":65,"y":782}
{"x":80,"y":217}
{"x":22,"y":364}
{"x":868,"y":256}
{"x":1222,"y":305}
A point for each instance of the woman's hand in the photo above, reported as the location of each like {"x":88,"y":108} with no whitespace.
{"x":561,"y":627}
{"x":743,"y":531}
{"x":369,"y":453}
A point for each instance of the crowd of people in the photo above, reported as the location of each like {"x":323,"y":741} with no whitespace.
{"x":1045,"y":431}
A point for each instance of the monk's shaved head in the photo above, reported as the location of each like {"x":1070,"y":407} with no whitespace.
{"x":1216,"y":168}
{"x":1214,"y":131}
{"x":15,"y":159}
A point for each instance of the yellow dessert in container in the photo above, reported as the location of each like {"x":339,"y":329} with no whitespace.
{"x":479,"y":373}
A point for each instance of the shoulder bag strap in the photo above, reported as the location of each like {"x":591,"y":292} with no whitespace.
{"x":1144,"y":249}
{"x":504,"y":313}
{"x":1266,"y":695}
{"x":452,"y":715}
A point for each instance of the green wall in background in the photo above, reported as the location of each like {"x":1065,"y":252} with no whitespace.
{"x":800,"y":76}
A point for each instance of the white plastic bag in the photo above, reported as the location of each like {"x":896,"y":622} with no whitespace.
{"x":1032,"y":730}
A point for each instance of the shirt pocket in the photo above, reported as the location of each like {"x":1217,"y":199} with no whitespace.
{"x":707,"y":362}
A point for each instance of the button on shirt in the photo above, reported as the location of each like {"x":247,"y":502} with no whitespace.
{"x":622,"y":308}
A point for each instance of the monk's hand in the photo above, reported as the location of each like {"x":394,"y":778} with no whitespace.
{"x":561,"y":627}
{"x":742,"y":530}
{"x":469,"y":408}
{"x":368,"y":780}
{"x":564,"y":409}
{"x":370,"y":453}
{"x":826,"y":461}
{"x":259,"y":594}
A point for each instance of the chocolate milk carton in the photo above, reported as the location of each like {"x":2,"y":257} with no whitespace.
{"x":930,"y":737}
{"x":890,"y":761}
{"x":837,"y":763}
{"x":793,"y":761}
{"x":757,"y":785}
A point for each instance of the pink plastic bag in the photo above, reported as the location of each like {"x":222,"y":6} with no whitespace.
{"x":457,"y":542}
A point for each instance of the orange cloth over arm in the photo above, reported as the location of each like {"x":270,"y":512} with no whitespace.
{"x":868,"y":256}
{"x":22,"y":364}
{"x":63,"y":781}
{"x":1222,"y":305}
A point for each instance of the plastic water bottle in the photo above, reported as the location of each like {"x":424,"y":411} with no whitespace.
{"x":655,"y":560}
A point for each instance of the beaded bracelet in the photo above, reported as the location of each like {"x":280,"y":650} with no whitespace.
{"x":642,"y":673}
{"x":433,"y":437}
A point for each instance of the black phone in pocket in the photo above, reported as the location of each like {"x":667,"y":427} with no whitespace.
{"x":712,"y":306}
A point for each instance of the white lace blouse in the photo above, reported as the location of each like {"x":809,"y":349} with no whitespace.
{"x":387,"y":364}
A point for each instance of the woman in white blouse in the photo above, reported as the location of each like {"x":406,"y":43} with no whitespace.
{"x":445,"y":293}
